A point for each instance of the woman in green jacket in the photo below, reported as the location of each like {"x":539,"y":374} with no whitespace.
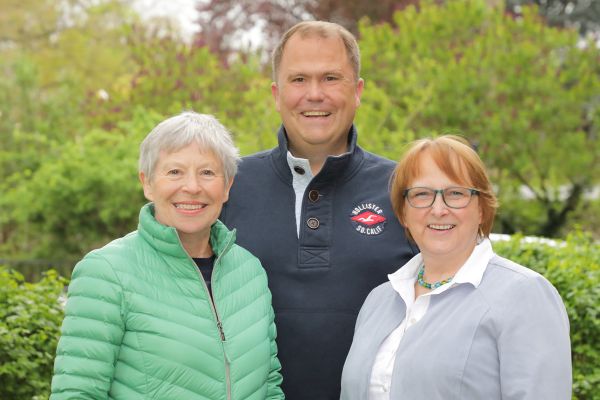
{"x":175,"y":309}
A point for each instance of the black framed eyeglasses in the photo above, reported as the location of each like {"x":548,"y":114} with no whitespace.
{"x":454,"y":197}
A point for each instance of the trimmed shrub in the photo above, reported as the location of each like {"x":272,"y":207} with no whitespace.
{"x":573,"y":267}
{"x":30,"y":319}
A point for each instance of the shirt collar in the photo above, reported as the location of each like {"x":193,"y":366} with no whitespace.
{"x":473,"y":269}
{"x":295,"y":163}
{"x":301,"y":178}
{"x":403,"y":280}
{"x":471,"y":272}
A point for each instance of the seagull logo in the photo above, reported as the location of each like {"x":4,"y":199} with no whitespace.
{"x":368,"y":219}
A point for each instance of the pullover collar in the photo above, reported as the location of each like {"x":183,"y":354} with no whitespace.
{"x":335,"y":167}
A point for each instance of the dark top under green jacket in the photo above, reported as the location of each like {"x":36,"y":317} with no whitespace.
{"x":140,"y":324}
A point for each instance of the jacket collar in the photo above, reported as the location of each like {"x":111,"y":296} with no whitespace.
{"x":335,"y":167}
{"x":166,"y":240}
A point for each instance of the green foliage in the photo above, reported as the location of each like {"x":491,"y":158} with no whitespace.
{"x":520,"y":90}
{"x":56,"y":60}
{"x":30,"y":319}
{"x":86,"y":96}
{"x":573,"y":267}
{"x":172,"y":77}
{"x":82,"y":89}
{"x":584,"y":15}
{"x":86,"y":194}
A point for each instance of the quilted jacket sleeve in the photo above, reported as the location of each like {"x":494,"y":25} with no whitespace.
{"x":92,"y":332}
{"x":274,"y":380}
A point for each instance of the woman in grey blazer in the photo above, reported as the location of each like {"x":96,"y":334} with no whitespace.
{"x":457,"y":321}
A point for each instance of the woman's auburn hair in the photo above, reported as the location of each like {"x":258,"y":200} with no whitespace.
{"x":455,"y":157}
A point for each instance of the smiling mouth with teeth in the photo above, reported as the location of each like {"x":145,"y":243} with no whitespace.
{"x":190,"y":206}
{"x":441,"y":227}
{"x":316,"y":113}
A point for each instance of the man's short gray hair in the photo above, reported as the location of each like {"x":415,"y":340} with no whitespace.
{"x":181,"y":130}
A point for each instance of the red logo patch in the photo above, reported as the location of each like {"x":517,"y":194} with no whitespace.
{"x":368,"y":218}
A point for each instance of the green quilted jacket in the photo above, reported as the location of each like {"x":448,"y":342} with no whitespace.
{"x":140,"y":324}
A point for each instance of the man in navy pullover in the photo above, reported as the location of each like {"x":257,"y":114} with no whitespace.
{"x":315,"y":210}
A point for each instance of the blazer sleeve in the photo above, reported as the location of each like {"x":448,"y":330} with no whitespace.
{"x":91,"y":334}
{"x":274,"y":379}
{"x":534,"y":346}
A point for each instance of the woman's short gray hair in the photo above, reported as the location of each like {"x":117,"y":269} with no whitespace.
{"x":181,"y":130}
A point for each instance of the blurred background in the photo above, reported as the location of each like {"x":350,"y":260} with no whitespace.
{"x":83,"y":81}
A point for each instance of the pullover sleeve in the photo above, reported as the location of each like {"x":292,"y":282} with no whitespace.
{"x":533,"y":344}
{"x":91,"y":334}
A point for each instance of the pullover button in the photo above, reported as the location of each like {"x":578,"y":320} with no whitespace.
{"x":312,"y":223}
{"x":299,"y":170}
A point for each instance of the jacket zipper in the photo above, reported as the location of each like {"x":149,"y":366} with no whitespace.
{"x":219,"y":325}
{"x":221,"y":332}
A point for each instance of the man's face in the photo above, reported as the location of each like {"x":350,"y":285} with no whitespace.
{"x":316,"y":94}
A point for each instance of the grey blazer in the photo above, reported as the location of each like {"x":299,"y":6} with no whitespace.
{"x":506,"y":339}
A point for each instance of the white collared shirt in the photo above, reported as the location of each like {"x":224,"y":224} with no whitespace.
{"x":300,"y":182}
{"x":403,"y":282}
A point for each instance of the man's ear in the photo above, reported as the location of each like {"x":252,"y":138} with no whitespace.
{"x":359,"y":89}
{"x":146,"y":186}
{"x":275,"y":94}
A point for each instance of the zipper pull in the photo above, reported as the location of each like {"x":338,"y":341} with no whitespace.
{"x":220,"y":326}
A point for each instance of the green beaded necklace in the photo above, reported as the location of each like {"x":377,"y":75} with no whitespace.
{"x":428,"y":285}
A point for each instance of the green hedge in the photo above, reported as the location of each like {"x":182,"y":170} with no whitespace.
{"x":30,"y":319}
{"x":573,"y":267}
{"x":30,"y":315}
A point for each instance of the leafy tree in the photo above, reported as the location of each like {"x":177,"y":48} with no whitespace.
{"x":61,"y":55}
{"x":29,"y":23}
{"x":70,"y":141}
{"x":584,"y":15}
{"x":519,"y":89}
{"x":225,"y":23}
{"x":83,"y":196}
{"x":172,"y":76}
{"x":54,"y":63}
{"x":58,"y":66}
